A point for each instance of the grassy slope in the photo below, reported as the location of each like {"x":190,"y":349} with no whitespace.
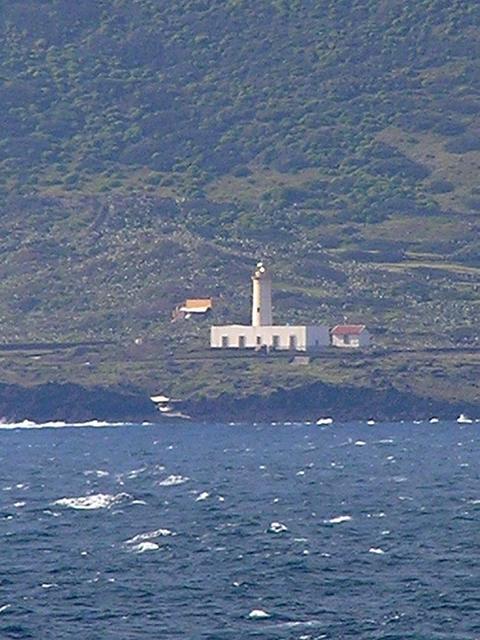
{"x":149,"y":151}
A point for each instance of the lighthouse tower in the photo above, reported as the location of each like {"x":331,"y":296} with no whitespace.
{"x":262,"y":297}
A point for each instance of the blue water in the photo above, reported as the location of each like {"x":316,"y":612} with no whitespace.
{"x":164,"y":532}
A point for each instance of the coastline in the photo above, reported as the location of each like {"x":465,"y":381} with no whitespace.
{"x":75,"y":403}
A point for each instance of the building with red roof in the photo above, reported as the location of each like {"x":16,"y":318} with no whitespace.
{"x":350,"y":336}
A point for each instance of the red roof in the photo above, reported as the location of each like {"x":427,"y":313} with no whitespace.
{"x":348,"y":329}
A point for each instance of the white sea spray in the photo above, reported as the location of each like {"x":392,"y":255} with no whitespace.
{"x":94,"y":501}
{"x":338,"y":520}
{"x":150,"y":535}
{"x":173,"y":480}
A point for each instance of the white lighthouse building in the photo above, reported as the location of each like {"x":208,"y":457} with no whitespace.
{"x":262,"y":297}
{"x":262,"y":333}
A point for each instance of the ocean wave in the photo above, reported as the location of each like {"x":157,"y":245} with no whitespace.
{"x":60,"y":424}
{"x":150,"y":535}
{"x":338,"y":520}
{"x":277,"y":527}
{"x":142,"y":547}
{"x":293,"y":624}
{"x":94,"y":501}
{"x":173,"y":480}
{"x":258,"y":614}
{"x":98,"y":473}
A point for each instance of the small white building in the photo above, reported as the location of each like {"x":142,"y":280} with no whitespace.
{"x":350,"y":336}
{"x":262,"y":333}
{"x":192,"y":307}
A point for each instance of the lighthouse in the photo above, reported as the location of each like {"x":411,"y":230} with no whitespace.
{"x":262,"y":335}
{"x":262,"y":297}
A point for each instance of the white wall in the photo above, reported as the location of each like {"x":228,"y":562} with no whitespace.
{"x":299,"y":338}
{"x":317,"y":336}
{"x":355,"y":341}
{"x":261,"y":300}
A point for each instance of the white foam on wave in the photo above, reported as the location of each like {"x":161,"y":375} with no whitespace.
{"x":338,"y":520}
{"x":4,"y":607}
{"x":258,"y":614}
{"x":149,"y":535}
{"x":146,"y":546}
{"x":360,"y":443}
{"x":173,"y":480}
{"x":134,"y":473}
{"x":203,"y":496}
{"x":293,"y":624}
{"x":324,"y":421}
{"x":60,"y":424}
{"x":277,"y":527}
{"x":94,"y":501}
{"x":376,"y":550}
{"x":98,"y":473}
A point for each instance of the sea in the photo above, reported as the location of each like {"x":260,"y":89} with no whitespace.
{"x":238,"y":531}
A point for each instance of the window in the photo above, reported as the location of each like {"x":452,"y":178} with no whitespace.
{"x":275,"y":342}
{"x":259,"y":340}
{"x":292,"y":343}
{"x":224,"y":342}
{"x":241,"y":342}
{"x":346,"y":339}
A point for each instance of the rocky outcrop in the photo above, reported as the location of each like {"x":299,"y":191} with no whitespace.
{"x":75,"y":403}
{"x":312,"y":401}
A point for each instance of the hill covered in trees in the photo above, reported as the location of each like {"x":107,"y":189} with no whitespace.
{"x":151,"y":150}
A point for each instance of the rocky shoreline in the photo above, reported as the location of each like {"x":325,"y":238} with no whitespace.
{"x":74,"y":403}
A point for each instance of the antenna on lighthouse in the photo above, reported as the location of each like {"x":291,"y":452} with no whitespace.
{"x":262,"y":296}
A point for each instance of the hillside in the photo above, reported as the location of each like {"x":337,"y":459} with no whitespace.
{"x":152,"y":150}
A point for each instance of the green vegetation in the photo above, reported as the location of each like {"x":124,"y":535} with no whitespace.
{"x":153,"y":150}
